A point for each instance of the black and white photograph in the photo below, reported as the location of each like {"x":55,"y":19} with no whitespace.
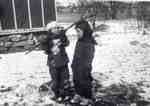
{"x":74,"y":52}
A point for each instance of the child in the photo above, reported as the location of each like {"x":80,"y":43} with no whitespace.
{"x":58,"y":60}
{"x":82,"y":63}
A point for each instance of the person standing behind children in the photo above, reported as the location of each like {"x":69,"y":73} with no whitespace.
{"x":58,"y":60}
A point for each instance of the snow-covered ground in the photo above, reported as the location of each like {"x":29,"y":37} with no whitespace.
{"x":121,"y":56}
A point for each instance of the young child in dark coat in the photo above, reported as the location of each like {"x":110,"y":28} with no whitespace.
{"x":58,"y":60}
{"x":82,"y":63}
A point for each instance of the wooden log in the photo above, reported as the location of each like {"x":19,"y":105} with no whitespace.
{"x":16,"y":49}
{"x":22,"y":43}
{"x":8,"y":44}
{"x":3,"y":49}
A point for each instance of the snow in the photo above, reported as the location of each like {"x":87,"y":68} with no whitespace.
{"x":21,"y":68}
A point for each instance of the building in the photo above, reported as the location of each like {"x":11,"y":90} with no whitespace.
{"x":26,"y":14}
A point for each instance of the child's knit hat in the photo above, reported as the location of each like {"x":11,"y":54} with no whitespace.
{"x":51,"y":25}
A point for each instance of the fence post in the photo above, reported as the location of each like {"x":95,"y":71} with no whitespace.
{"x":29,"y":13}
{"x":42,"y":8}
{"x":14,"y":14}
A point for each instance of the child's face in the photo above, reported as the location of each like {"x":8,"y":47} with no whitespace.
{"x":79,"y":32}
{"x":55,"y":30}
{"x":91,"y":19}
